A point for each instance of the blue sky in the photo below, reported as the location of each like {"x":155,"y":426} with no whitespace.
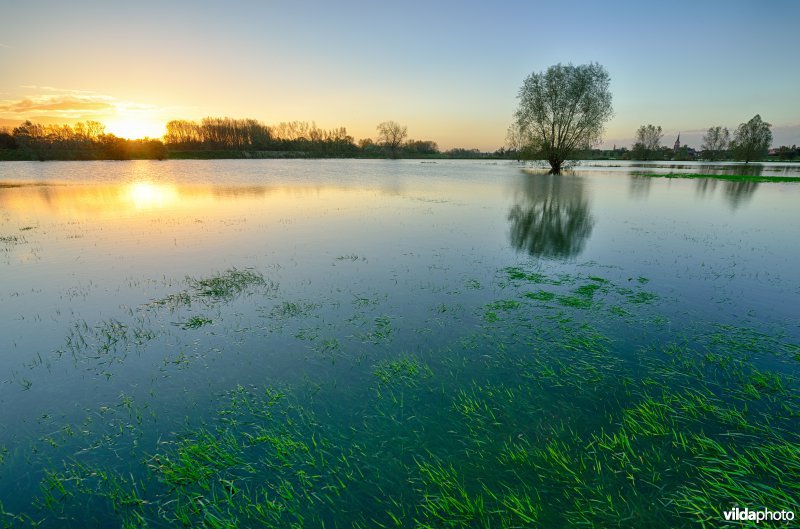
{"x":450,"y":71}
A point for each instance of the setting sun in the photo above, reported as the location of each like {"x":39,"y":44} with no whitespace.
{"x":134,"y":129}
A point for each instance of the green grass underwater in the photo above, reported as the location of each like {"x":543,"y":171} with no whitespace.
{"x":530,"y":400}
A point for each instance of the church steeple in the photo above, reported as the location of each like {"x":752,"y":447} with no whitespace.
{"x":677,"y":143}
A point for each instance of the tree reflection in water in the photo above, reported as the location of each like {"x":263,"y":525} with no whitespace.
{"x":550,"y":216}
{"x":739,"y":193}
{"x":736,"y":192}
{"x":640,"y":186}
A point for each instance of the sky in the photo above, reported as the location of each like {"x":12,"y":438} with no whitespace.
{"x":450,"y":71}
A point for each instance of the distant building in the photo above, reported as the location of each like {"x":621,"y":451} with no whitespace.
{"x":677,"y":143}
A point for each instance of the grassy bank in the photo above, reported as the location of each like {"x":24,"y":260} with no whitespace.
{"x":729,"y":177}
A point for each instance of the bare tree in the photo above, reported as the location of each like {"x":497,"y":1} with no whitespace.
{"x":515,"y":138}
{"x":715,"y":141}
{"x":563,"y":110}
{"x":391,"y":135}
{"x":648,"y":141}
{"x":218,"y":133}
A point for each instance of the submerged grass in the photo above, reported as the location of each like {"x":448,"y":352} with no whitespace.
{"x":540,"y":295}
{"x":222,"y":287}
{"x":196,"y":322}
{"x":405,"y":370}
{"x":289,"y":309}
{"x":517,"y":273}
{"x":228,"y":284}
{"x":262,"y":462}
{"x":545,"y":414}
{"x":447,"y":501}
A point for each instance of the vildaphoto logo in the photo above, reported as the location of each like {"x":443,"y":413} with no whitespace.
{"x":746,"y":515}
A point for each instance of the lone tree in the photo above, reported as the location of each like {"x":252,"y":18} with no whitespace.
{"x":715,"y":141}
{"x":751,"y":140}
{"x":648,"y":142}
{"x":391,"y":135}
{"x":563,"y":110}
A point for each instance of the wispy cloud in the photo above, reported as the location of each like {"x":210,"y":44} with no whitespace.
{"x":50,"y":104}
{"x":4,"y":45}
{"x":55,"y":105}
{"x":69,"y":105}
{"x":55,"y":89}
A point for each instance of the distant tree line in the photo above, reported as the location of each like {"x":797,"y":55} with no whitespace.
{"x":222,"y":137}
{"x":300,"y":138}
{"x":750,"y":142}
{"x":82,"y":141}
{"x":231,"y":138}
{"x":227,"y":134}
{"x":785,"y":153}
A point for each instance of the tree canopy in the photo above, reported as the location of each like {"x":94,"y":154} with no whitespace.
{"x":391,"y":135}
{"x":715,"y":141}
{"x":648,"y":142}
{"x":563,"y":110}
{"x":751,"y":140}
{"x":81,"y":141}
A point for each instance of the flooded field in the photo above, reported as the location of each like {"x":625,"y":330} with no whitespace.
{"x":268,"y":343}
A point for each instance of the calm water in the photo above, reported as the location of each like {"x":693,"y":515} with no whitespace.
{"x":460,"y":343}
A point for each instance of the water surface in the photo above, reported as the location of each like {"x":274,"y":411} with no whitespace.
{"x":355,"y":343}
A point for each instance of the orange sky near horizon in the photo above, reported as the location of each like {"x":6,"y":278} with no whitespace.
{"x":136,"y":120}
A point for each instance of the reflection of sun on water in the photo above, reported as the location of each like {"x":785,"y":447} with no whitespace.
{"x":149,"y":195}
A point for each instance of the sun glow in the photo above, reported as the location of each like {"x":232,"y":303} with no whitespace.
{"x":149,"y":195}
{"x":135,"y":129}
